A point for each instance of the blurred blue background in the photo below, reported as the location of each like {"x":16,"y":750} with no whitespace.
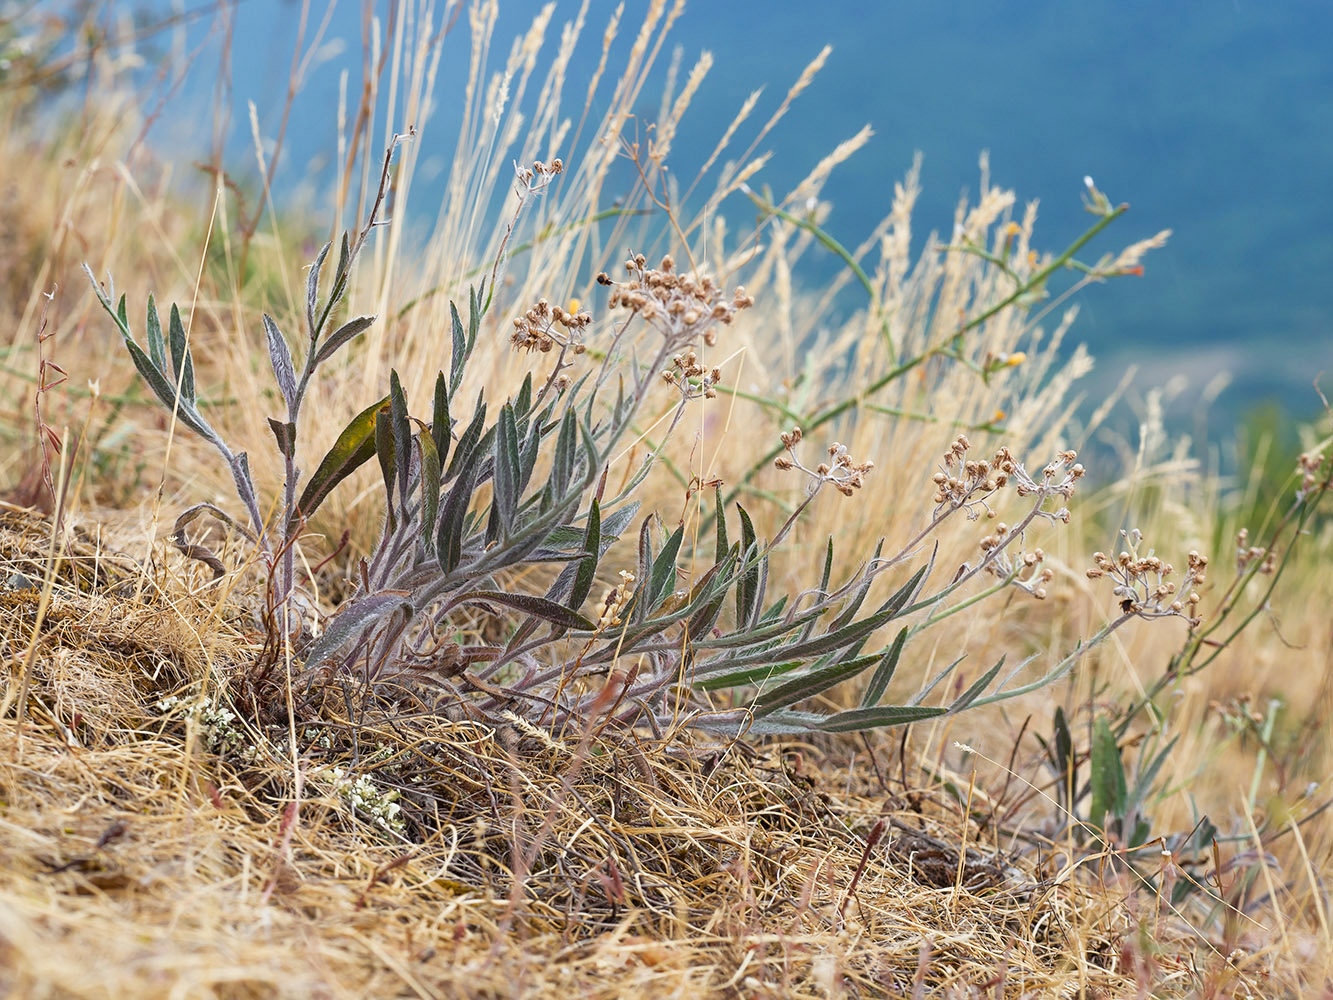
{"x":1214,"y":119}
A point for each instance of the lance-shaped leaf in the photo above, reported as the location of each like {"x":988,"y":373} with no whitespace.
{"x":245,"y":488}
{"x":430,"y":488}
{"x":720,"y":524}
{"x":153,"y":374}
{"x":530,"y":604}
{"x":587,"y":569}
{"x":747,"y":591}
{"x":165,"y":391}
{"x":643,"y":570}
{"x":823,"y":585}
{"x":921,"y":695}
{"x":459,"y":354}
{"x":474,"y":314}
{"x":566,"y":451}
{"x":156,"y":345}
{"x":854,"y":605}
{"x":312,"y":290}
{"x":856,"y":719}
{"x":340,"y":280}
{"x":879,"y":680}
{"x":528,"y":456}
{"x":829,"y":641}
{"x":1109,"y":792}
{"x":351,"y":620}
{"x":664,"y":569}
{"x":750,"y":675}
{"x":508,"y":471}
{"x":972,"y":693}
{"x":811,"y":683}
{"x":402,"y":439}
{"x":1063,"y":749}
{"x":469,"y":439}
{"x":384,"y":451}
{"x":523,"y":399}
{"x":181,"y":361}
{"x":703,"y":619}
{"x":567,"y":536}
{"x":355,"y":446}
{"x":441,"y":425}
{"x":345,"y":334}
{"x":452,"y":518}
{"x":280,"y":357}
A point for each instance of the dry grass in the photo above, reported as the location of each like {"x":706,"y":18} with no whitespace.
{"x":138,"y":862}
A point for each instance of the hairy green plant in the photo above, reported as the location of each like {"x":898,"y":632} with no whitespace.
{"x":476,"y":501}
{"x":167,"y":367}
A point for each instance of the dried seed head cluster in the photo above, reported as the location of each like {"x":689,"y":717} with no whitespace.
{"x":964,"y":482}
{"x":1247,"y":554}
{"x":536,"y":329}
{"x":1025,"y":570}
{"x":691,"y":378}
{"x":1309,"y":467}
{"x":540,"y":174}
{"x":845,"y":475}
{"x":1142,"y":581}
{"x":615,"y":602}
{"x":683,"y":309}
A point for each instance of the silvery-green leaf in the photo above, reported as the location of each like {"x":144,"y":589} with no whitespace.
{"x":312,"y":289}
{"x":182,"y":363}
{"x":346,"y":333}
{"x":587,"y":570}
{"x":280,"y":357}
{"x":879,"y":680}
{"x":351,"y":620}
{"x":156,"y":345}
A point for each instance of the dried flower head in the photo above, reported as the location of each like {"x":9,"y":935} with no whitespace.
{"x":615,"y":602}
{"x":691,"y":377}
{"x":1143,"y":581}
{"x":683,"y":309}
{"x":536,"y":329}
{"x":840,"y":470}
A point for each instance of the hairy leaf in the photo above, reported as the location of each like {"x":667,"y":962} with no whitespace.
{"x":1109,"y":793}
{"x":507,"y":470}
{"x":156,"y":345}
{"x":530,"y":604}
{"x":355,"y":446}
{"x":280,"y":357}
{"x":747,"y":591}
{"x":587,"y":569}
{"x":430,"y":488}
{"x":664,"y":569}
{"x":879,"y":680}
{"x":351,"y":620}
{"x":345,"y":334}
{"x":441,"y":426}
{"x":312,"y":289}
{"x":181,"y":362}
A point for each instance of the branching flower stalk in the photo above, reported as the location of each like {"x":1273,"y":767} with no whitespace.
{"x":1028,"y":288}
